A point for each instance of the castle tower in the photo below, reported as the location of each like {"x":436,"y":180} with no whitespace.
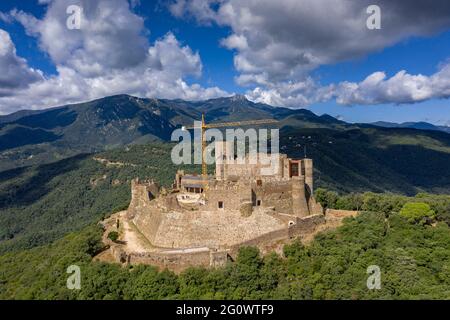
{"x":178,"y":176}
{"x":246,"y":203}
{"x":308,"y":163}
{"x":299,"y":204}
{"x":141,"y":195}
{"x":224,"y":152}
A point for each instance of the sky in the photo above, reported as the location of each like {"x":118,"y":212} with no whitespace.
{"x":314,"y":54}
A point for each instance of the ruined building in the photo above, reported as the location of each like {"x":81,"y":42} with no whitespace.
{"x":286,"y":186}
{"x":204,"y":220}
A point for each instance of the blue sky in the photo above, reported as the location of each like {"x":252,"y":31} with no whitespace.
{"x":294,"y":62}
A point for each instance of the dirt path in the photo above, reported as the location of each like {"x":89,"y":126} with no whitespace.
{"x":132,"y":238}
{"x":109,"y":163}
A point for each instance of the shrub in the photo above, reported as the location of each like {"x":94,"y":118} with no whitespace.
{"x":113,"y":235}
{"x":417,"y":212}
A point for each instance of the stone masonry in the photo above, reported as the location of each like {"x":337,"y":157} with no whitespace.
{"x":203,"y":221}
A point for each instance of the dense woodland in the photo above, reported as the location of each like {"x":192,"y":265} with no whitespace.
{"x":40,"y":204}
{"x":49,"y":221}
{"x":414,"y":259}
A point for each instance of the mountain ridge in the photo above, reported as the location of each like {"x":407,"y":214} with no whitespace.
{"x":421,"y":125}
{"x":348,"y":157}
{"x":117,"y":120}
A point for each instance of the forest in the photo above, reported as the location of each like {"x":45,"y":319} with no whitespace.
{"x":40,"y":204}
{"x":408,"y":238}
{"x":49,"y":221}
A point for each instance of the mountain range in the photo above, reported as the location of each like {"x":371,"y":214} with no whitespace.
{"x":348,"y":157}
{"x":32,"y":137}
{"x":421,"y":125}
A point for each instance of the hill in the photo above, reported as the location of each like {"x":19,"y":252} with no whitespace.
{"x":49,"y":213}
{"x":377,"y":159}
{"x":413,"y":260}
{"x":348,"y":157}
{"x":41,"y":203}
{"x":412,"y":125}
{"x":36,"y":137}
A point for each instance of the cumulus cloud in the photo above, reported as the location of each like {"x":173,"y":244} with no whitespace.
{"x":110,"y":54}
{"x":14,"y":71}
{"x":400,"y":88}
{"x":377,"y":88}
{"x":278,"y":43}
{"x":201,"y":10}
{"x":297,"y":94}
{"x":111,"y":36}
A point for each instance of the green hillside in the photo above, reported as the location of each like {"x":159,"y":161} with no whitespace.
{"x":348,"y":157}
{"x":49,"y":216}
{"x":413,"y":258}
{"x":42,"y":203}
{"x":374,"y":159}
{"x":39,"y":204}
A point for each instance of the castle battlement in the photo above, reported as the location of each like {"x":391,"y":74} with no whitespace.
{"x":288,"y":188}
{"x":237,"y":206}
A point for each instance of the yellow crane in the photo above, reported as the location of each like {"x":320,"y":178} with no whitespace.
{"x":205,"y":126}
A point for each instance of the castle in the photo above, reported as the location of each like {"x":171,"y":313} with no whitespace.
{"x":204,"y":220}
{"x":244,"y":185}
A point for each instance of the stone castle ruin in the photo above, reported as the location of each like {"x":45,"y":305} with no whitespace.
{"x":202,"y":221}
{"x":244,"y":187}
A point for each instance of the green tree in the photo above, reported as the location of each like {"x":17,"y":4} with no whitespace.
{"x":417,"y":212}
{"x":113,"y":236}
{"x":326,"y":198}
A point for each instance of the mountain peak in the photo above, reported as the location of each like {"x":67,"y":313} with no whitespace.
{"x":239,"y":97}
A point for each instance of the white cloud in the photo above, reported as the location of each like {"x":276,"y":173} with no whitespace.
{"x":401,"y":88}
{"x":291,"y":94}
{"x":200,"y":9}
{"x":5,"y":17}
{"x":377,"y":88}
{"x":278,"y":43}
{"x":14,"y":71}
{"x":110,"y":54}
{"x":111,"y":36}
{"x":235,"y":42}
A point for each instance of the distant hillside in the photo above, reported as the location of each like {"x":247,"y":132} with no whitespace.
{"x":378,"y":159}
{"x":39,"y":204}
{"x":348,"y":157}
{"x":412,"y":125}
{"x":36,"y":137}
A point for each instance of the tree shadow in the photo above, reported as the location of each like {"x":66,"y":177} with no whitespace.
{"x":31,"y":183}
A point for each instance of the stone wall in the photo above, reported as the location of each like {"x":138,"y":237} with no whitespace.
{"x":315,"y":207}
{"x":172,"y":261}
{"x":306,"y":225}
{"x":332,"y":213}
{"x":281,"y":234}
{"x":178,"y":260}
{"x":218,"y":258}
{"x":299,"y":203}
{"x":307,"y":165}
{"x":228,"y":193}
{"x":276,"y":194}
{"x":141,"y":195}
{"x":302,"y":226}
{"x":149,"y":222}
{"x":175,"y":261}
